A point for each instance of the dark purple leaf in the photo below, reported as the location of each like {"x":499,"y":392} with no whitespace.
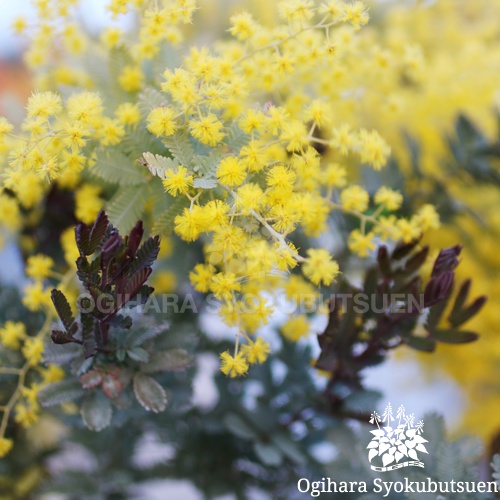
{"x":447,"y":260}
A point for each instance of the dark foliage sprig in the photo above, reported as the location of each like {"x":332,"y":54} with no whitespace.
{"x":115,"y":275}
{"x":118,"y":361}
{"x":358,"y":337}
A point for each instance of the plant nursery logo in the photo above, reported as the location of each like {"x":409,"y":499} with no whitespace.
{"x":397,"y":443}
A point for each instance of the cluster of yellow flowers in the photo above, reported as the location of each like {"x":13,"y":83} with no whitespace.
{"x":410,"y":78}
{"x":263,"y":108}
{"x":280,"y":114}
{"x":31,"y":374}
{"x":277,"y":181}
{"x":436,"y":86}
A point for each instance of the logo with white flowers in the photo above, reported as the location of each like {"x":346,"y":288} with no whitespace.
{"x":396,"y":440}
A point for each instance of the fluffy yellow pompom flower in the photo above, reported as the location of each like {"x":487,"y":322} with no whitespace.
{"x":333,"y":8}
{"x":44,"y":105}
{"x":285,"y":256}
{"x":334,"y":176}
{"x":295,"y":135}
{"x":11,"y":334}
{"x":408,"y":230}
{"x":128,"y":113}
{"x":392,"y":200}
{"x":281,"y":178}
{"x":295,"y":328}
{"x":319,"y":266}
{"x":33,"y":350}
{"x":253,"y":156}
{"x":227,"y":240}
{"x":356,"y":13}
{"x":117,"y":7}
{"x":216,"y":211}
{"x":190,"y":223}
{"x":242,"y":26}
{"x":207,"y":130}
{"x":361,"y":244}
{"x":256,"y":352}
{"x":176,"y":81}
{"x":373,"y":149}
{"x":252,"y":121}
{"x":224,"y":284}
{"x":231,"y":172}
{"x":296,"y":10}
{"x":343,"y":139}
{"x":88,"y":203}
{"x":317,"y":112}
{"x":233,"y":366}
{"x":52,"y":373}
{"x":164,"y":282}
{"x":85,"y":107}
{"x":156,"y":20}
{"x":75,"y":135}
{"x":19,"y":25}
{"x":35,"y":297}
{"x":49,"y":169}
{"x":9,"y":212}
{"x":201,"y":277}
{"x":131,"y":79}
{"x":71,"y":252}
{"x":249,"y":197}
{"x":354,"y":198}
{"x":31,"y":394}
{"x":177,"y":181}
{"x":387,"y":228}
{"x":39,"y":267}
{"x":5,"y":446}
{"x":5,"y":127}
{"x":427,"y":218}
{"x":111,"y":132}
{"x":26,"y":415}
{"x":111,"y":37}
{"x":161,"y":121}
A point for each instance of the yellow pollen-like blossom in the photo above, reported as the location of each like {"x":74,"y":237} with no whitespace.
{"x":233,"y":366}
{"x":319,"y":266}
{"x":177,"y":181}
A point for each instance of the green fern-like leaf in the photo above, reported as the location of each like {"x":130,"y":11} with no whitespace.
{"x":60,"y":392}
{"x":164,"y":224}
{"x":117,"y":168}
{"x":138,"y":140}
{"x":206,"y":167}
{"x":236,"y":139}
{"x":60,"y":354}
{"x":127,"y":206}
{"x":106,"y":72}
{"x":149,"y":99}
{"x":447,"y":465}
{"x":180,"y":148}
{"x":119,"y":57}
